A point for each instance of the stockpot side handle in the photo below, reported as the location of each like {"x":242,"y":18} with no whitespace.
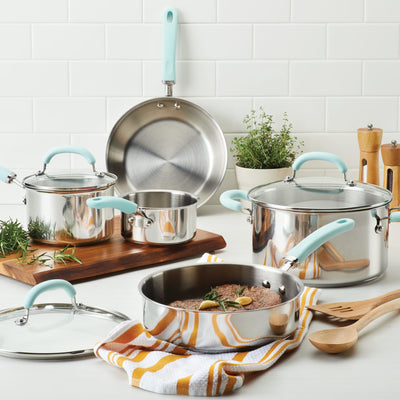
{"x":229,"y":199}
{"x":44,"y":287}
{"x":316,"y":239}
{"x":124,"y":205}
{"x":170,"y":28}
{"x":6,"y":175}
{"x":394,"y":216}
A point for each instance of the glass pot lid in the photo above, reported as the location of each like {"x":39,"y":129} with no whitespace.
{"x":70,"y":181}
{"x":54,"y":330}
{"x":320,"y":194}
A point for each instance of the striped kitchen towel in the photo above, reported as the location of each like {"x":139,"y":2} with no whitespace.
{"x":163,"y":367}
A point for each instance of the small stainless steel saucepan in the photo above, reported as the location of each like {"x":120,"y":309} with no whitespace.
{"x":218,"y":331}
{"x":56,"y":202}
{"x":156,"y":217}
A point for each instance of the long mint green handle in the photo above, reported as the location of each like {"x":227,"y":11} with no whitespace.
{"x":69,"y":150}
{"x":319,"y":156}
{"x":4,"y":174}
{"x":313,"y":241}
{"x":124,"y":205}
{"x":44,"y":287}
{"x":229,"y":199}
{"x":170,"y":29}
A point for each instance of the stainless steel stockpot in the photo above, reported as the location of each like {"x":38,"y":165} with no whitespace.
{"x":156,"y":217}
{"x":56,"y":203}
{"x":283,"y":213}
{"x":219,"y":331}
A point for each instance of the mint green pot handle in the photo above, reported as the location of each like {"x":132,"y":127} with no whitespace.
{"x":170,"y":28}
{"x":319,"y":156}
{"x":69,"y":150}
{"x":394,"y":216}
{"x":44,"y":287}
{"x":322,"y":235}
{"x":229,"y":199}
{"x":124,"y":205}
{"x":5,"y":173}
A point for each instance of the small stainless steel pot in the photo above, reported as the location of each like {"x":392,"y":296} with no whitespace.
{"x":56,"y":203}
{"x":218,"y":331}
{"x":156,"y":217}
{"x":283,"y":213}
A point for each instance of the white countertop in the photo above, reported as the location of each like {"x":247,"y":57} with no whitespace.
{"x":369,"y":370}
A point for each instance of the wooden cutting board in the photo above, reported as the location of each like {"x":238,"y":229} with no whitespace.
{"x":113,"y":255}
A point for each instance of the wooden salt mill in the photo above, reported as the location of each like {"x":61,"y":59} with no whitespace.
{"x":391,"y":176}
{"x":369,"y":141}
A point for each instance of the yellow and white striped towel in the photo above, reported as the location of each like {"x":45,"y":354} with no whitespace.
{"x":162,"y":367}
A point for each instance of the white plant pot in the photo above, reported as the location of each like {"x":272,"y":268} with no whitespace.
{"x":248,"y":178}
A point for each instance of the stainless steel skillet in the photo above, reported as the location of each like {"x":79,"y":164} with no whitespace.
{"x":167,"y":143}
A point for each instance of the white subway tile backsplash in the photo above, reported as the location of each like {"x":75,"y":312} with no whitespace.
{"x":15,"y":115}
{"x":252,"y":78}
{"x":189,"y":11}
{"x":33,"y":78}
{"x":68,"y":41}
{"x":126,"y":42}
{"x":70,"y":115}
{"x":26,"y":151}
{"x":117,"y":107}
{"x":305,"y":114}
{"x":105,"y":10}
{"x":215,"y":42}
{"x":327,"y":10}
{"x":349,"y":114}
{"x":289,"y":41}
{"x":355,"y":41}
{"x":111,"y":78}
{"x":382,"y":78}
{"x":228,"y":112}
{"x":325,"y":78}
{"x":15,"y":41}
{"x":69,"y":69}
{"x":253,"y":11}
{"x":33,"y":11}
{"x":382,"y":10}
{"x":193,"y":78}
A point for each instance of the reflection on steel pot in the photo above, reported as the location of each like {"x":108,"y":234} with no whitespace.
{"x":56,"y":203}
{"x":283,"y":213}
{"x":219,"y":331}
{"x":157,"y":217}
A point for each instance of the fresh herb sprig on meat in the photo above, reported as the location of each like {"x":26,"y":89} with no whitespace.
{"x":223,"y":303}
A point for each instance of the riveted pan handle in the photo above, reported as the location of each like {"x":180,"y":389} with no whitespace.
{"x":124,"y":205}
{"x":170,"y":28}
{"x":316,"y":239}
{"x":44,"y":287}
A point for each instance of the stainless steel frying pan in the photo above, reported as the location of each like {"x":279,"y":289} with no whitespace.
{"x":168,"y":143}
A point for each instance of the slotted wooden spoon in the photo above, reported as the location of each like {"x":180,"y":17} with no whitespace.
{"x":354,"y":309}
{"x":337,"y":340}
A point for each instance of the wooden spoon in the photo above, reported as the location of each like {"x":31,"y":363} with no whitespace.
{"x":337,"y":340}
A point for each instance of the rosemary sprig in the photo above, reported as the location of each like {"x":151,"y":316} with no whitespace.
{"x":239,"y":291}
{"x":58,"y":257}
{"x":223,"y":303}
{"x":13,"y":238}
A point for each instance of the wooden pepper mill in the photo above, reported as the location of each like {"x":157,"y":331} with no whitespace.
{"x":369,"y":141}
{"x":391,"y":175}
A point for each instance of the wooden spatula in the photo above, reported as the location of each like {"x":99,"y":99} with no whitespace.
{"x":354,"y":309}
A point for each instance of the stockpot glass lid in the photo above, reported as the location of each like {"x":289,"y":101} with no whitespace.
{"x":54,"y":330}
{"x":320,"y":194}
{"x":69,"y":181}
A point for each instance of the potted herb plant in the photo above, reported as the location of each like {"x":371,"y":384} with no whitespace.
{"x":264,"y":155}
